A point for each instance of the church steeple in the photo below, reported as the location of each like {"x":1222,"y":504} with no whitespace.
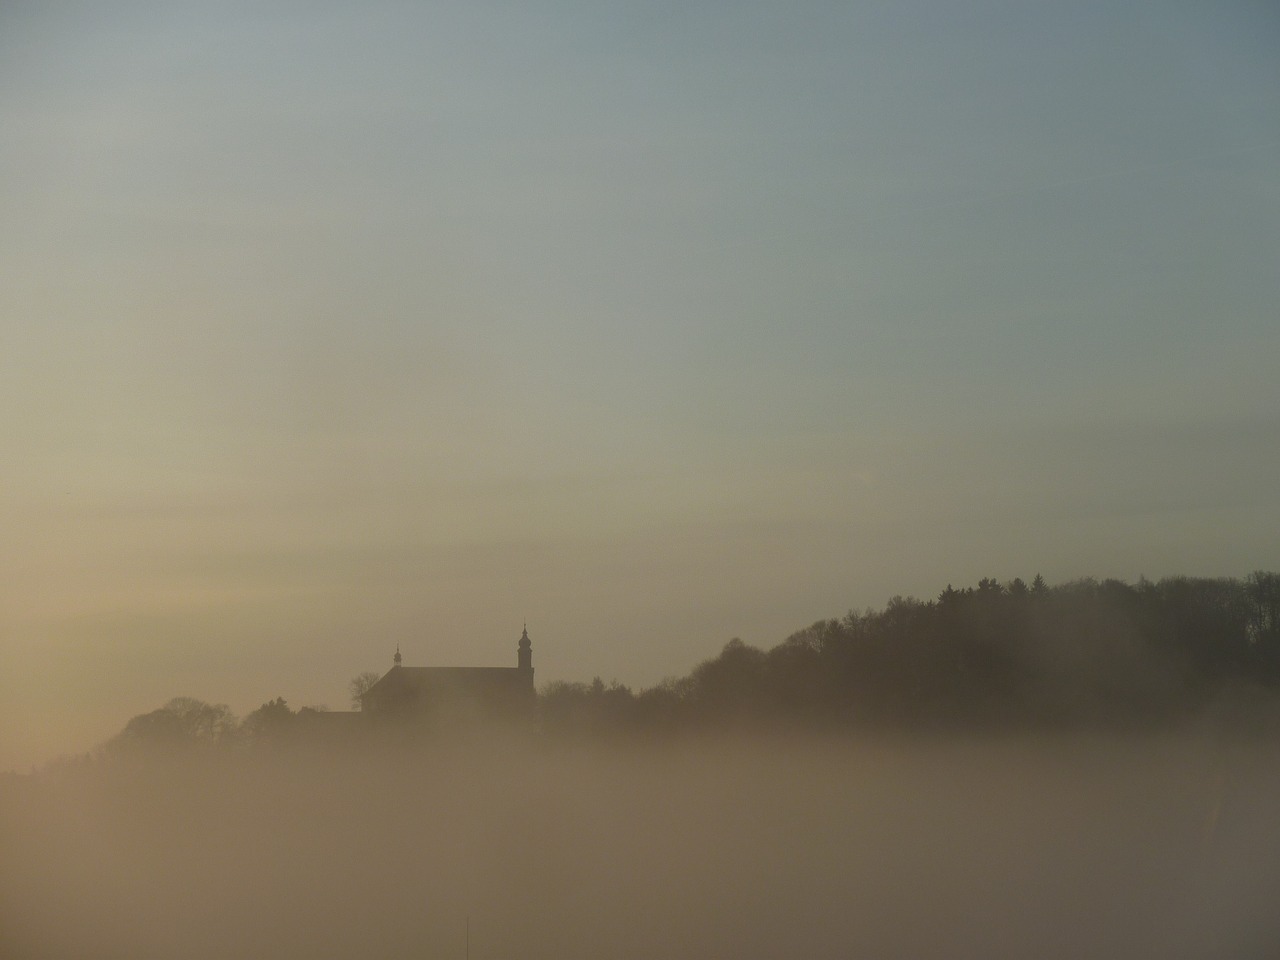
{"x":525,"y":657}
{"x":397,"y":658}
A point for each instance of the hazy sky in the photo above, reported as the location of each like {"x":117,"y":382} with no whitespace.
{"x":327,"y":327}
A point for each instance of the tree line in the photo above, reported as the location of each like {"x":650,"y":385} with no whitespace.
{"x":186,"y":725}
{"x":1015,"y":655}
{"x":1012,"y":654}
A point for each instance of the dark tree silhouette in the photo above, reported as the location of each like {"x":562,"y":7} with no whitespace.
{"x":183,"y":723}
{"x":269,"y":721}
{"x":359,"y":686}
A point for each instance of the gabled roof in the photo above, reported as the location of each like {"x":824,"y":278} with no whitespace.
{"x":463,"y":691}
{"x":435,"y":679}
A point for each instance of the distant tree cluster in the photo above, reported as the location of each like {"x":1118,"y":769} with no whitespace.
{"x":186,"y":725}
{"x":1085,"y":652}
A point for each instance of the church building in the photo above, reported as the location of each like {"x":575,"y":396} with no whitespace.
{"x":461,"y":693}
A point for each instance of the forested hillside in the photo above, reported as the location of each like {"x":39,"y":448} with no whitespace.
{"x":1084,"y":652}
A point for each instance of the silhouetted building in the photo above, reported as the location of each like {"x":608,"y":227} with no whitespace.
{"x":455,"y":692}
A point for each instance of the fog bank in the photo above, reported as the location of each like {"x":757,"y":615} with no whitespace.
{"x":716,"y":847}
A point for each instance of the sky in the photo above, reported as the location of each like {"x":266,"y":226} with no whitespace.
{"x":326,"y":328}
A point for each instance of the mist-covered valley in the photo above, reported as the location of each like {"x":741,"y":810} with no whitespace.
{"x":662,"y":329}
{"x":1090,"y":769}
{"x":715,"y":845}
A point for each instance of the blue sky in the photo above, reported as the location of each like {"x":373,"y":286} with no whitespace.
{"x":326,"y":329}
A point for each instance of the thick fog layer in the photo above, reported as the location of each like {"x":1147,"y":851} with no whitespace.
{"x":731,"y":847}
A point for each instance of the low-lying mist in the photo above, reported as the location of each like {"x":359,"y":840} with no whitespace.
{"x":726,"y":846}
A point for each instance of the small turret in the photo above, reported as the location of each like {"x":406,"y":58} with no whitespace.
{"x":397,"y":658}
{"x":525,"y":657}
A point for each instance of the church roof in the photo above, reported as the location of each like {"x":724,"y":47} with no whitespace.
{"x":440,"y":678}
{"x":403,"y":686}
{"x":416,"y":689}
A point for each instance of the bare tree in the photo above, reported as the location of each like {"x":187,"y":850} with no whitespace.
{"x":359,"y":686}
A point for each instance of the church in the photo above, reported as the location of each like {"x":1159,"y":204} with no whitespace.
{"x":455,"y":693}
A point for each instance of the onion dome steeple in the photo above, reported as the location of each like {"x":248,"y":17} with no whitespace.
{"x":525,"y":657}
{"x":397,"y":658}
